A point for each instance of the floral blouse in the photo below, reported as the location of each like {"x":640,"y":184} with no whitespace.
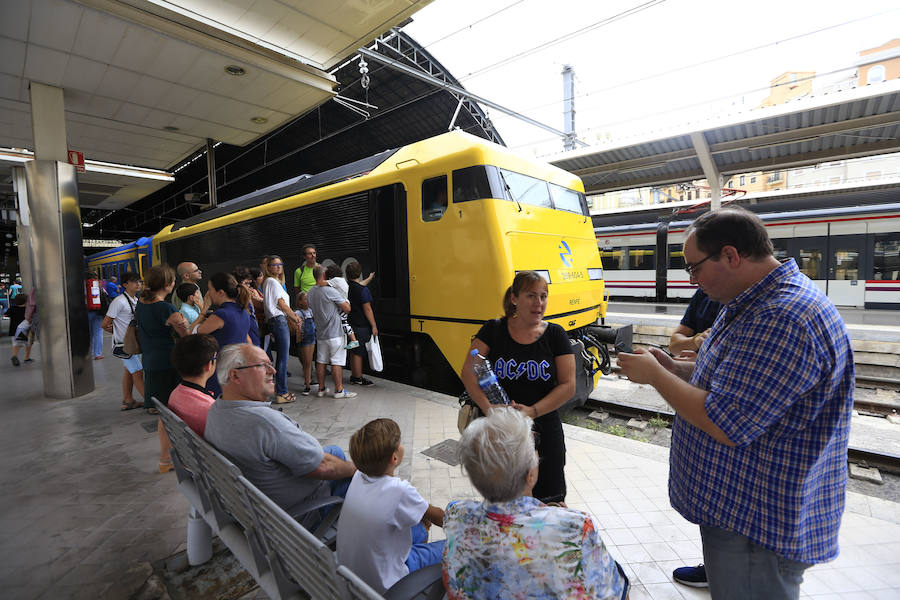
{"x":525,"y":549}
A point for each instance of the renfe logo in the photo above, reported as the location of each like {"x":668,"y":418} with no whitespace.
{"x":566,"y":254}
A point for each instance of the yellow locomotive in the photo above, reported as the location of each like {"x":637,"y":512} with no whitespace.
{"x":445,"y":223}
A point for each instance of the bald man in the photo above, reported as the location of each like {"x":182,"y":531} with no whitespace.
{"x":186,"y":272}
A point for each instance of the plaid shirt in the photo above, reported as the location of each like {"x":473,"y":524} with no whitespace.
{"x":779,"y":370}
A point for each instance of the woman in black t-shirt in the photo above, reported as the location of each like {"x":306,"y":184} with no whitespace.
{"x":535,"y":365}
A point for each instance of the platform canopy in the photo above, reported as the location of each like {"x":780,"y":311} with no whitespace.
{"x":850,"y":124}
{"x":146,"y":82}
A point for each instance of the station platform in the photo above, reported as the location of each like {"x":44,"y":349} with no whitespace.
{"x":84,"y":513}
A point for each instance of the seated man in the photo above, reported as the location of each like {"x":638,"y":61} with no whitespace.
{"x":194,"y":357}
{"x":272,"y":451}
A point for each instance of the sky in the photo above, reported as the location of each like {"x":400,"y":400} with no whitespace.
{"x":640,"y":65}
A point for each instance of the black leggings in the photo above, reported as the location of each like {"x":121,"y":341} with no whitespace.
{"x":551,"y":448}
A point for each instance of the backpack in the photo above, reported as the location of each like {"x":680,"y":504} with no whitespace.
{"x":104,"y":300}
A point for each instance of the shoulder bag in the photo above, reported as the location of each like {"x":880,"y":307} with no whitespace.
{"x":130,"y":343}
{"x":119,"y":347}
{"x":468,"y":412}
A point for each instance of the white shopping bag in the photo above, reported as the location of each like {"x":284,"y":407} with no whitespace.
{"x":374,"y":350}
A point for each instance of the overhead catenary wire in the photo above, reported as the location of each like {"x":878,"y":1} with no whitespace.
{"x":667,"y":72}
{"x":472,"y":24}
{"x":564,"y":38}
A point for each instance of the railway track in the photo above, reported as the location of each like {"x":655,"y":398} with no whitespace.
{"x":867,"y":406}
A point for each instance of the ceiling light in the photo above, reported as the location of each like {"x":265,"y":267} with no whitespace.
{"x":170,"y":128}
{"x":259,"y":120}
{"x":235,"y":70}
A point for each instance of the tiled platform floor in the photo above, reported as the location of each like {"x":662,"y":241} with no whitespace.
{"x":82,"y":509}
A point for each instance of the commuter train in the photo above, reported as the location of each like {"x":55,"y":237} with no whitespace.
{"x":134,"y":257}
{"x":851,"y":252}
{"x":444,"y":223}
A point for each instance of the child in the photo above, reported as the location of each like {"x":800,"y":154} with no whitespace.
{"x":382,"y":532}
{"x":306,"y":338}
{"x":335,"y":278}
{"x":19,"y":329}
{"x":191,"y":301}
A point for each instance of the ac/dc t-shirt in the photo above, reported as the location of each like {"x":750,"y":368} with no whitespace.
{"x":527,"y":372}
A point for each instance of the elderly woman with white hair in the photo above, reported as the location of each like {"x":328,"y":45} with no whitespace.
{"x":511,"y":545}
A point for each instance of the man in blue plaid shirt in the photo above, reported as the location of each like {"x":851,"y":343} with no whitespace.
{"x":759,"y":443}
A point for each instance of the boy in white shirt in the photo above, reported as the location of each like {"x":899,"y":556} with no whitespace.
{"x":382,"y":532}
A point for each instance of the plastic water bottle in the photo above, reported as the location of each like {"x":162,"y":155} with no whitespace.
{"x":487,"y":379}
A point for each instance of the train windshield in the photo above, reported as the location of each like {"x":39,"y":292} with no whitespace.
{"x":486,"y":181}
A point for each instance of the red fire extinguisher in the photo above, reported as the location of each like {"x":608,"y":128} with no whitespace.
{"x":92,"y":294}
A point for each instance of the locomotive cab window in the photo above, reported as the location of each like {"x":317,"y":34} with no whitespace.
{"x":476,"y":183}
{"x":434,"y":198}
{"x":526,"y":190}
{"x":568,"y":200}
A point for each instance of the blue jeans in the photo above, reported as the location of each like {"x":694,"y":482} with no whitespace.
{"x":279,"y":328}
{"x":95,"y":319}
{"x":740,"y":569}
{"x":423,"y":554}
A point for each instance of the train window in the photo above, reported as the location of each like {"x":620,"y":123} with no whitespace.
{"x":846,"y":264}
{"x":641,"y":258}
{"x":526,"y":190}
{"x":476,"y":183}
{"x":780,"y":249}
{"x":886,"y":257}
{"x":568,"y":200}
{"x":612,"y":259}
{"x":434,"y":198}
{"x":676,"y":257}
{"x":811,"y":263}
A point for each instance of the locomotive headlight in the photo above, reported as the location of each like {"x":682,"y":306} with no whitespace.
{"x":595,"y":274}
{"x":545,"y":275}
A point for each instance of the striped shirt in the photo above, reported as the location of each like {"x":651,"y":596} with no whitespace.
{"x":778,"y":367}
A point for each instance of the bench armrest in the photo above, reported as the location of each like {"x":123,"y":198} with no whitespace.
{"x":299,"y":510}
{"x":425,"y":583}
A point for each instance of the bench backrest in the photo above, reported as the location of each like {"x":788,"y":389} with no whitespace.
{"x":356,"y":587}
{"x":295,"y":551}
{"x":175,"y":428}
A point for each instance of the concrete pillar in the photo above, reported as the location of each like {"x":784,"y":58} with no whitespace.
{"x":56,"y":248}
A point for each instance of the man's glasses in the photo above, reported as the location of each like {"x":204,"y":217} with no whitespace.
{"x":691,"y":269}
{"x":265,"y":366}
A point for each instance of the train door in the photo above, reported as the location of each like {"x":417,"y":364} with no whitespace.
{"x":846,"y":270}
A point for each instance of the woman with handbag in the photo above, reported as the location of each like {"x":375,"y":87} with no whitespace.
{"x":158,"y":324}
{"x":362,"y":320}
{"x":534,"y":364}
{"x":230,"y":322}
{"x":278,"y":313}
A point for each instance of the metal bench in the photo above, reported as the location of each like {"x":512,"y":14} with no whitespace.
{"x":285,"y":559}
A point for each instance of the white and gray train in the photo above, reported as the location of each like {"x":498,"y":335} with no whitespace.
{"x":851,"y":252}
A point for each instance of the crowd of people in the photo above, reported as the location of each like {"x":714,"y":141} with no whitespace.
{"x":761,"y":382}
{"x":249,"y":305}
